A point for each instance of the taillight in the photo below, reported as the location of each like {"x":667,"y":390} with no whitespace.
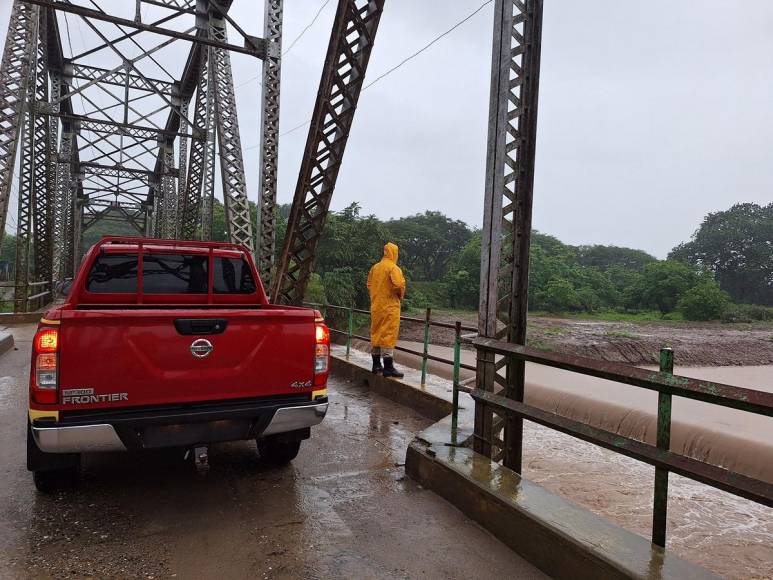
{"x":47,"y":340}
{"x":321,"y":353}
{"x":45,"y":378}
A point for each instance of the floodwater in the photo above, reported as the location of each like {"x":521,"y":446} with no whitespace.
{"x":729,"y":535}
{"x":733,"y":439}
{"x":342,"y":509}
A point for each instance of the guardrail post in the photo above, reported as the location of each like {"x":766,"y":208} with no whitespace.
{"x":426,"y":347}
{"x":660,"y":503}
{"x":350,"y":331}
{"x":457,"y":363}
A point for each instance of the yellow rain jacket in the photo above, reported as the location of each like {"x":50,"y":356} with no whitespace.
{"x":387,"y":287}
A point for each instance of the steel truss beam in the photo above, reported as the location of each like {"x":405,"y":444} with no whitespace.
{"x":507,"y":214}
{"x":95,"y":213}
{"x":269,"y":153}
{"x":119,"y":78}
{"x":18,"y":56}
{"x":63,"y":214}
{"x":253,"y":46}
{"x":24,"y":221}
{"x":201,"y":154}
{"x":351,"y":42}
{"x":237,"y":209}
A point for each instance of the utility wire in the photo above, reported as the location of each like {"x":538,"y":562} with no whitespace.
{"x":305,"y":30}
{"x":400,"y":64}
{"x":293,"y":43}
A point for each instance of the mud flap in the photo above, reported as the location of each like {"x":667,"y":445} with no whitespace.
{"x":40,"y":461}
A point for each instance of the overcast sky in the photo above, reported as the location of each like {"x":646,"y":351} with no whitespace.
{"x":652,"y":113}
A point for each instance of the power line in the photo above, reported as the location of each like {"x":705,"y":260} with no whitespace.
{"x":426,"y":46}
{"x":305,"y":30}
{"x":292,"y":44}
{"x":401,"y":63}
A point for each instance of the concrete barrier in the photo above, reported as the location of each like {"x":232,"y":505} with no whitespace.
{"x":560,"y":538}
{"x":6,"y":342}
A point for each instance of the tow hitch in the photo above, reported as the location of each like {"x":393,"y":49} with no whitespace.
{"x":201,"y":459}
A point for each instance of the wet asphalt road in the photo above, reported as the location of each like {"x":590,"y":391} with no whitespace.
{"x":342,"y":509}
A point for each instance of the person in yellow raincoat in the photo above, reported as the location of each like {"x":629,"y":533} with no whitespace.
{"x":386,"y":285}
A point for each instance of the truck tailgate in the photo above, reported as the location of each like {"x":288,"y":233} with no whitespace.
{"x":141,"y":356}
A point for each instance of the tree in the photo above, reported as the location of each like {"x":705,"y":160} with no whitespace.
{"x":349,"y":246}
{"x":558,"y":296}
{"x":706,"y":301}
{"x":737,"y":246}
{"x":428,"y":242}
{"x":463,"y":278}
{"x":604,"y":257}
{"x":663,"y":283}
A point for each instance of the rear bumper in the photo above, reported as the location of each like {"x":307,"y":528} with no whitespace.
{"x":149,"y":432}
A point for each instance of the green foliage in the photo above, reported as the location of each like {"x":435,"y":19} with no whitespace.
{"x":349,"y":246}
{"x":662,"y":285}
{"x":747,"y":313}
{"x":736,"y":246}
{"x":706,"y":301}
{"x":613,"y":256}
{"x":8,"y":249}
{"x":462,"y":282}
{"x":428,"y":242}
{"x":558,"y":295}
{"x":315,"y":291}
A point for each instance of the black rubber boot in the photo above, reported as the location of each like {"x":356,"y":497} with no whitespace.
{"x":390,"y":370}
{"x":377,"y":368}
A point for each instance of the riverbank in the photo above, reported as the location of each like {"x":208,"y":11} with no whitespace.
{"x":638,"y":343}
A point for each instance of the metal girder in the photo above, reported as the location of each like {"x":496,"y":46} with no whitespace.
{"x":18,"y":54}
{"x":237,"y":209}
{"x":351,"y":42}
{"x":201,"y":154}
{"x":507,"y":214}
{"x":269,"y":139}
{"x":24,"y":221}
{"x":42,"y":194}
{"x":253,"y":46}
{"x":64,"y":206}
{"x":120,"y":78}
{"x":122,"y":171}
{"x":169,"y":195}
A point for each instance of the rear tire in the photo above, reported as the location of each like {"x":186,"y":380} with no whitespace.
{"x":51,"y":471}
{"x":56,"y":479}
{"x":277,"y":452}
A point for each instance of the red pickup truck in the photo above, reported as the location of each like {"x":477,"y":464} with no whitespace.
{"x":166,"y":343}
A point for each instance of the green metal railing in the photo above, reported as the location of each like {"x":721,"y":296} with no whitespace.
{"x":667,"y":385}
{"x":425,"y":355}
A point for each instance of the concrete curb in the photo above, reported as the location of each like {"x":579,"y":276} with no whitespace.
{"x":6,"y":342}
{"x":25,"y":318}
{"x":562,"y":539}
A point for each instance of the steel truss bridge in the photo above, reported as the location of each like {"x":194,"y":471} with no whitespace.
{"x":132,"y":141}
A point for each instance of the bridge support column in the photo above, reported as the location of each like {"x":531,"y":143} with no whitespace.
{"x":507,"y":215}
{"x":269,"y":138}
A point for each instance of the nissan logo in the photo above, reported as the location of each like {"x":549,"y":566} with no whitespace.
{"x":201,"y":348}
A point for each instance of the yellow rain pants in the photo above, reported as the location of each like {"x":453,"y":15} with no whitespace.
{"x":387,"y":287}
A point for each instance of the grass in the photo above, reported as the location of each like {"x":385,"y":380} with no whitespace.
{"x":616,"y":316}
{"x":621,"y":334}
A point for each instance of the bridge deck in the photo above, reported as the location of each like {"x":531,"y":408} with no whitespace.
{"x":342,"y":509}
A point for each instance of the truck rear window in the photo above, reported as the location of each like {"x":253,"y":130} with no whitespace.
{"x":116,"y":273}
{"x":113,"y":273}
{"x":174,"y":274}
{"x":232,"y":276}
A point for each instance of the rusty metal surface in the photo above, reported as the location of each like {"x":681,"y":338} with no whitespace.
{"x":509,"y":191}
{"x":710,"y":392}
{"x":741,"y":485}
{"x":351,"y":41}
